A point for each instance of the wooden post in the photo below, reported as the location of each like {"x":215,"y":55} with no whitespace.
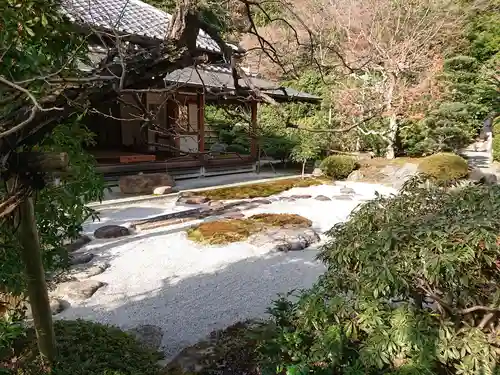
{"x":201,"y":122}
{"x":253,"y":130}
{"x":37,"y":288}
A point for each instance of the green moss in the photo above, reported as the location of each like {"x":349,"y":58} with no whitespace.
{"x":86,"y":348}
{"x":444,"y":167}
{"x":235,"y":230}
{"x":264,"y":189}
{"x":339,"y":166}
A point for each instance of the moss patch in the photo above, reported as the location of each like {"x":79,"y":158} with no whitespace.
{"x":84,"y":348}
{"x":264,"y":189}
{"x":235,"y":230}
{"x":444,"y":167}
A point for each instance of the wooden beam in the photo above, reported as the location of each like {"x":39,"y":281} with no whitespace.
{"x":201,"y":122}
{"x":253,"y":130}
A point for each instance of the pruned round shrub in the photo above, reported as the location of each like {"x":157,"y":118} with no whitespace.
{"x":444,"y":167}
{"x":412,"y":287}
{"x":86,"y":348}
{"x":338,"y":166}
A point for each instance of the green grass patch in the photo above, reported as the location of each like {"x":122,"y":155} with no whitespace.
{"x":263,"y":189}
{"x":236,"y":230}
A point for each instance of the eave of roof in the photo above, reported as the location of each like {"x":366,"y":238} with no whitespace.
{"x":219,"y":77}
{"x":132,"y":17}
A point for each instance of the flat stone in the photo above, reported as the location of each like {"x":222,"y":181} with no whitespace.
{"x":301,"y":196}
{"x":322,"y":198}
{"x":160,"y":190}
{"x":262,"y":201}
{"x":148,"y":335}
{"x":77,"y":290}
{"x":195,"y":199}
{"x":78,"y":244}
{"x":76,"y":259}
{"x":343,"y":197}
{"x":234,"y":215}
{"x":248,"y":206}
{"x":346,"y":190}
{"x":288,"y":199}
{"x":144,"y":183}
{"x":86,"y":272}
{"x":111,"y":231}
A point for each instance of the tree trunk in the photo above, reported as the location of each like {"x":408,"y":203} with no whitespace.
{"x":393,"y":122}
{"x":391,"y":137}
{"x":303,"y":168}
{"x":37,"y":288}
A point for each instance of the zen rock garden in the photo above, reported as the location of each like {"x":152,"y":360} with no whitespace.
{"x":172,"y":270}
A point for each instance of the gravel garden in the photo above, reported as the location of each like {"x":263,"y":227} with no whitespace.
{"x":173,"y":270}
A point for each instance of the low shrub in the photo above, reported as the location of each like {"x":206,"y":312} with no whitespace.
{"x":85,"y":348}
{"x":235,"y":230}
{"x":444,"y":167}
{"x":496,"y":140}
{"x":412,"y":287}
{"x":264,"y":189}
{"x":338,"y":166}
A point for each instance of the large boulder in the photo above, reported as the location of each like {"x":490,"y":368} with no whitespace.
{"x":111,"y":231}
{"x":145,"y":183}
{"x":396,"y":175}
{"x":285,"y":239}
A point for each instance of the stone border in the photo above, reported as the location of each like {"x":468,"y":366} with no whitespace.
{"x":145,"y":198}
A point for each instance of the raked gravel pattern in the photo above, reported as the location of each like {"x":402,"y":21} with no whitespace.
{"x":159,"y":277}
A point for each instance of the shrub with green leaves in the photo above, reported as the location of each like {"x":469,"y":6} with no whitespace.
{"x":412,"y":287}
{"x":338,"y":166}
{"x":444,"y":167}
{"x":496,"y":140}
{"x":86,"y":348}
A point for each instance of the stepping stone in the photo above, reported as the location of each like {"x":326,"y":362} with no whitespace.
{"x":346,"y":190}
{"x":301,"y":196}
{"x":234,"y":215}
{"x":343,"y":197}
{"x":76,"y":259}
{"x":262,"y":201}
{"x":77,"y":290}
{"x":111,"y":231}
{"x":322,"y":198}
{"x":195,"y":199}
{"x":86,"y":272}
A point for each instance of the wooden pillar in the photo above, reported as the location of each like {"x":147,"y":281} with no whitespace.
{"x":253,"y":129}
{"x":201,"y":122}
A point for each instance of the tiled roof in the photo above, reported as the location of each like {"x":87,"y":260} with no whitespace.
{"x":219,"y":76}
{"x":128,"y":16}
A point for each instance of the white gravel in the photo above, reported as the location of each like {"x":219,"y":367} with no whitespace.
{"x":159,"y":277}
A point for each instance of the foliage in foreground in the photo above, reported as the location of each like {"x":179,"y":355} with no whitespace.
{"x":235,"y":230}
{"x":264,"y":189}
{"x":84,"y":348}
{"x":412,"y":287}
{"x":444,"y":167}
{"x":338,"y":166}
{"x":60,"y":209}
